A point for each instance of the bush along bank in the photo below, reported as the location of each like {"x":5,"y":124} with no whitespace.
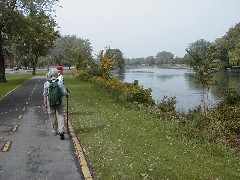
{"x":221,"y":125}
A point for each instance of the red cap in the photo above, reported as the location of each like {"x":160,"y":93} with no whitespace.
{"x":60,"y":68}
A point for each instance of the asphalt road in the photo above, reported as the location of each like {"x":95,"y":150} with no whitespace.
{"x":28,"y":148}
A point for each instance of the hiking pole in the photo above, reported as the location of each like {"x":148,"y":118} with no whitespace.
{"x":67,"y":111}
{"x":67,"y":116}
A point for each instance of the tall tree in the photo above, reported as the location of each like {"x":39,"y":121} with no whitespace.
{"x":107,"y":63}
{"x":199,"y":47}
{"x":117,"y":56}
{"x":233,"y":39}
{"x":221,"y":49}
{"x":69,"y":49}
{"x":227,"y":47}
{"x":12,"y":15}
{"x":38,"y":38}
{"x":234,"y":55}
{"x":205,"y":67}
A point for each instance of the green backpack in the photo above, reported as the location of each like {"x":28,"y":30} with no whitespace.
{"x":55,"y":95}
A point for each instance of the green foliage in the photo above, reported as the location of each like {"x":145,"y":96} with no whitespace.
{"x":71,"y":50}
{"x":227,"y":47}
{"x":22,"y":17}
{"x":231,"y":97}
{"x":129,"y":92}
{"x":205,"y":65}
{"x":167,"y":104}
{"x":117,"y":56}
{"x":234,"y":55}
{"x":228,"y":117}
{"x":163,"y":58}
{"x":165,"y":109}
{"x":221,"y":49}
{"x":101,"y":76}
{"x":107,"y":63}
{"x":199,"y":47}
{"x":38,"y":37}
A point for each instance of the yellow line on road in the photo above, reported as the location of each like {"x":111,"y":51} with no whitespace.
{"x":6,"y":146}
{"x":15,"y":126}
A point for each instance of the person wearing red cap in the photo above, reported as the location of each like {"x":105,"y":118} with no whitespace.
{"x":60,"y":73}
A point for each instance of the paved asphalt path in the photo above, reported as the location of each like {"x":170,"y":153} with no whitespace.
{"x":28,"y":148}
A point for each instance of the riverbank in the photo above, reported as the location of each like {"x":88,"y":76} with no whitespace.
{"x":122,"y":141}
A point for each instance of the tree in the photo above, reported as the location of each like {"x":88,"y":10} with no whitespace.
{"x":117,"y":56}
{"x":199,"y":47}
{"x":204,"y":70}
{"x":221,"y":49}
{"x":163,"y":58}
{"x":38,"y":38}
{"x":150,"y":60}
{"x":68,"y":49}
{"x":177,"y":60}
{"x":233,"y":37}
{"x":107,"y":63}
{"x":12,"y":18}
{"x":227,"y":47}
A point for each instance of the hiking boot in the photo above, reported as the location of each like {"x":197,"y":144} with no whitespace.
{"x":62,"y":136}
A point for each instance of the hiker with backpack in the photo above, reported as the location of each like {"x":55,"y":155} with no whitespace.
{"x":53,"y":92}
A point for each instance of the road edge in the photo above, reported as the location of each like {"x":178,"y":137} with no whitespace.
{"x":80,"y":154}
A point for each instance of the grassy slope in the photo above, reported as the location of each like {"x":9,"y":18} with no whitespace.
{"x":123,"y":142}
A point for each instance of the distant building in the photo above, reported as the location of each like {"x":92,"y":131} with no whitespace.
{"x":9,"y":64}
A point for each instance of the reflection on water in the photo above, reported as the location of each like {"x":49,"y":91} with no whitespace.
{"x":175,"y":82}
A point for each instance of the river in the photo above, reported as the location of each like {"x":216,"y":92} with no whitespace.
{"x":176,"y":83}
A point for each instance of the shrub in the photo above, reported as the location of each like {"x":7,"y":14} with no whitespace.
{"x":231,"y":97}
{"x":130,"y":92}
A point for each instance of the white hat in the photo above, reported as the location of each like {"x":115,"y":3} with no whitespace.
{"x":53,"y":72}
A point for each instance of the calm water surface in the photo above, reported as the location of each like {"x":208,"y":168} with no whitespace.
{"x":175,"y":82}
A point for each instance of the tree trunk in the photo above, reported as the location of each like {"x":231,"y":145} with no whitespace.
{"x":34,"y":65}
{"x":2,"y":61}
{"x":34,"y":68}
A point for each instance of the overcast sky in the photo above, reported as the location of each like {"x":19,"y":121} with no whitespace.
{"x":142,"y":28}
